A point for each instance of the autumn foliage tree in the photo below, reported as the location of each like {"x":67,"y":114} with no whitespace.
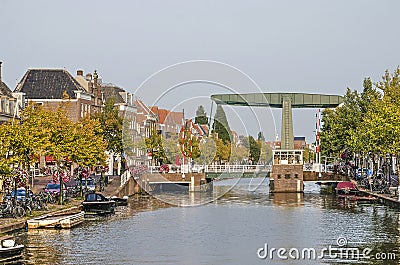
{"x":367,"y":123}
{"x":49,"y":132}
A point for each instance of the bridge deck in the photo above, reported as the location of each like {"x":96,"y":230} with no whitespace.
{"x":167,"y":181}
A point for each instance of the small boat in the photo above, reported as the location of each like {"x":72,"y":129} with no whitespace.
{"x":120,"y":201}
{"x":97,"y":204}
{"x":10,"y":250}
{"x":59,"y":221}
{"x":346,"y":188}
{"x":348,"y":191}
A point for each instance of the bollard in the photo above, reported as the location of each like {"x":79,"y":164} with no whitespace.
{"x":191,"y":183}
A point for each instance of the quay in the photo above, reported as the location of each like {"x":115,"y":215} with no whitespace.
{"x":383,"y":198}
{"x":22,"y":224}
{"x":12,"y":225}
{"x":54,"y":220}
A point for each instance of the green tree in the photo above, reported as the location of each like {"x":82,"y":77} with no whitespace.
{"x":255,"y":150}
{"x":265,"y":151}
{"x":221,"y":126}
{"x":155,"y":146}
{"x":171,"y":148}
{"x":128,"y":137}
{"x":223,"y":151}
{"x":89,"y":145}
{"x":190,"y":144}
{"x":201,"y":116}
{"x":112,"y":124}
{"x":381,"y":128}
{"x":308,"y":155}
{"x":239,"y":153}
{"x":208,"y":150}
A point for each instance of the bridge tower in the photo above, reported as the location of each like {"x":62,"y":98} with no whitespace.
{"x":287,"y":171}
{"x":287,"y":168}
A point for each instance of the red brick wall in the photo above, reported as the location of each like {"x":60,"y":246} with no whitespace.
{"x":286,"y":178}
{"x":73,"y":107}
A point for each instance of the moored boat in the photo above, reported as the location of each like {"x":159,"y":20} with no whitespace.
{"x":61,"y":221}
{"x":348,"y":191}
{"x":97,"y":204}
{"x":10,"y":250}
{"x":120,"y":201}
{"x":346,"y":188}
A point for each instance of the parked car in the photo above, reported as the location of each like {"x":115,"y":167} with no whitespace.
{"x":88,"y":183}
{"x":52,"y":187}
{"x":21,"y":194}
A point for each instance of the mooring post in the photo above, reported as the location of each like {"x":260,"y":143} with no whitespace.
{"x":191,"y":183}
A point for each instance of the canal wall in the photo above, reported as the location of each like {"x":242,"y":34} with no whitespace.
{"x":129,"y":188}
{"x":174,"y":177}
{"x":325,"y":176}
{"x":21,"y":223}
{"x":383,"y":199}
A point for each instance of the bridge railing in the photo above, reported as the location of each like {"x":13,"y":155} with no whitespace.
{"x":154,"y":169}
{"x":308,"y":167}
{"x":125,"y":177}
{"x":236,"y":168}
{"x":216,"y":168}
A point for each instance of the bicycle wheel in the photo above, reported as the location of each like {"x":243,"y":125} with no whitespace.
{"x":19,"y":211}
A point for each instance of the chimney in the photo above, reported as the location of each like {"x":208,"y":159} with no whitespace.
{"x":90,"y":87}
{"x":95,"y":76}
{"x":0,"y":71}
{"x":79,"y":73}
{"x":89,"y":77}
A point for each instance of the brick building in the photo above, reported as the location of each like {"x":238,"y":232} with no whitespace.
{"x":146,"y":124}
{"x":169,"y":122}
{"x":299,"y":143}
{"x":53,"y":87}
{"x":124,"y":101}
{"x":8,"y":103}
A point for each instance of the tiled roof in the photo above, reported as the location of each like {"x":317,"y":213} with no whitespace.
{"x":175,"y":117}
{"x":168,"y":117}
{"x":155,"y":110}
{"x":48,"y":84}
{"x":143,"y":112}
{"x":4,"y":90}
{"x":143,"y":108}
{"x":112,"y":91}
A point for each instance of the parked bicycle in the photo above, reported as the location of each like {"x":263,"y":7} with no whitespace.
{"x":10,"y":209}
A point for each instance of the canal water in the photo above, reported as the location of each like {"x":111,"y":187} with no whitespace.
{"x":241,"y":225}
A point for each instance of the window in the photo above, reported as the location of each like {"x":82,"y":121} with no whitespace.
{"x":287,"y":176}
{"x":91,"y":197}
{"x":3,"y":105}
{"x":279,"y":176}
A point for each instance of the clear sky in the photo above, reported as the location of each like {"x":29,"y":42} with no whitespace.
{"x":284,"y":46}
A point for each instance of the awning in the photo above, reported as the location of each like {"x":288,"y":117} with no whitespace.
{"x":49,"y":159}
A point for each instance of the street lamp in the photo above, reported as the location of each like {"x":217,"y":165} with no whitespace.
{"x":61,"y":164}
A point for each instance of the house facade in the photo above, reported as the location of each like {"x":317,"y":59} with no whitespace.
{"x":127,"y":109}
{"x":169,"y":122}
{"x":8,"y":102}
{"x":146,"y":124}
{"x":54,"y":87}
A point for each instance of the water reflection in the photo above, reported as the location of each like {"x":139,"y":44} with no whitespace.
{"x":42,"y":245}
{"x":288,"y":199}
{"x":228,"y":227}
